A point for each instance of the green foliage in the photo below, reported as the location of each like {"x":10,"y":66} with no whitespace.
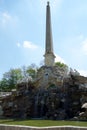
{"x":52,"y":86}
{"x":4,"y":85}
{"x":61,"y":64}
{"x":10,"y":78}
{"x":32,"y":70}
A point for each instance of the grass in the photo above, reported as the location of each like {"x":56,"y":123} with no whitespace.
{"x":42,"y":123}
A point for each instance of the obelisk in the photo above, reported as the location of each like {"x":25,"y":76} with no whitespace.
{"x":49,"y":54}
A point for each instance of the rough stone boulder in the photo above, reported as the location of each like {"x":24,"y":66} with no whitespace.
{"x":50,"y":75}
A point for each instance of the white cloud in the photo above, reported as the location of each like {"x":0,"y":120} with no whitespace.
{"x":84,"y":46}
{"x":80,"y":47}
{"x":56,"y":3}
{"x":29,"y":45}
{"x":59,"y":59}
{"x":83,"y":72}
{"x":18,"y":44}
{"x":7,"y":19}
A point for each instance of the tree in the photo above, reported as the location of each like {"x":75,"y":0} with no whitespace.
{"x":32,"y":70}
{"x":62,"y":65}
{"x":4,"y":86}
{"x":10,"y":79}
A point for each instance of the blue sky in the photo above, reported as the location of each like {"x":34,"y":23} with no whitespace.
{"x":22,"y":33}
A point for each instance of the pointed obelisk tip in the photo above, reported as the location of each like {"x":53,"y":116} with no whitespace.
{"x":48,"y":3}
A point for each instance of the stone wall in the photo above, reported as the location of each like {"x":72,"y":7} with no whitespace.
{"x":12,"y":127}
{"x":54,"y":95}
{"x":50,"y":75}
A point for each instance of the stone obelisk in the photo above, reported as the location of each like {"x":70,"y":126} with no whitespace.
{"x":49,"y":54}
